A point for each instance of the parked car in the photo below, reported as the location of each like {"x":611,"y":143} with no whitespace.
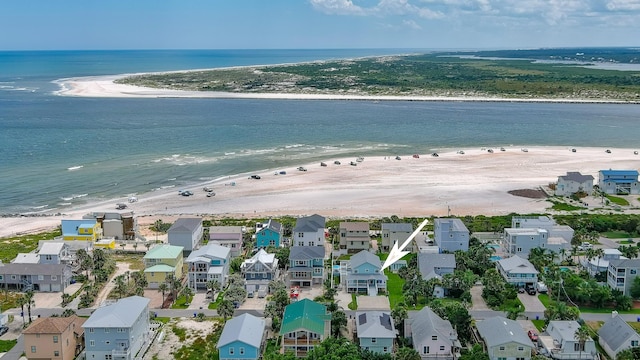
{"x":533,"y":335}
{"x":257,"y":177}
{"x":3,"y":330}
{"x":211,"y":194}
{"x":336,"y":162}
{"x":207,"y":189}
{"x":302,"y":168}
{"x":521,"y":290}
{"x":185,"y":193}
{"x":531,"y":290}
{"x":585,"y":246}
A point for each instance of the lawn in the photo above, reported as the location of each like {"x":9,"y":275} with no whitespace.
{"x":607,"y":310}
{"x":353,"y":305}
{"x":394,"y":288}
{"x":539,"y":324}
{"x":618,"y":234}
{"x":9,"y":300}
{"x":544,"y":299}
{"x":6,"y":345}
{"x":214,"y":304}
{"x":511,"y":304}
{"x":617,"y":200}
{"x":180,"y":303}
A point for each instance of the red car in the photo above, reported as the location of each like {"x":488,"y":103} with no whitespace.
{"x":533,"y":335}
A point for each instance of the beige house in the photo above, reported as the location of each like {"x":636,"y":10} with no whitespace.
{"x":54,"y":338}
{"x":354,"y":236}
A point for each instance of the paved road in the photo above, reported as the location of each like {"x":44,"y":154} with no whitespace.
{"x":16,"y":351}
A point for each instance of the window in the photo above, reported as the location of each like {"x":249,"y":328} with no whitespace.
{"x":108,"y":357}
{"x":634,"y":342}
{"x":632,"y":271}
{"x":40,"y":277}
{"x":501,"y":348}
{"x":434,"y":337}
{"x":1,"y":277}
{"x":106,"y":330}
{"x":33,"y":348}
{"x":520,"y":348}
{"x":373,"y":340}
{"x":231,"y":351}
{"x":54,"y":277}
{"x":90,"y":330}
{"x":121,"y":330}
{"x":385,"y":349}
{"x":13,"y":277}
{"x":577,"y":347}
{"x":425,"y":350}
{"x":55,"y":339}
{"x":56,"y":353}
{"x":241,"y":351}
{"x":300,"y":243}
{"x":441,"y":347}
{"x":92,"y":343}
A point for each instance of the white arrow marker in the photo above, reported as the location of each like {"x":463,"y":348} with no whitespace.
{"x":397,"y":253}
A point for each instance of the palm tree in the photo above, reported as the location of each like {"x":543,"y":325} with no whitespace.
{"x":338,"y":322}
{"x":514,"y":312}
{"x":66,"y":298}
{"x":121,"y":286}
{"x":22,"y":301}
{"x":188,"y":293}
{"x":147,"y":245}
{"x":163,"y":288}
{"x":582,"y":335}
{"x":399,"y":314}
{"x":225,"y":309}
{"x":29,"y":302}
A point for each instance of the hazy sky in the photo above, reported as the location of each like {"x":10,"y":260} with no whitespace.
{"x":251,"y":24}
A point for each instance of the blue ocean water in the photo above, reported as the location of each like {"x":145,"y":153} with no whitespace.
{"x":57,"y":152}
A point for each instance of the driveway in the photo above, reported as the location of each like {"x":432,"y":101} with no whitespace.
{"x":477,"y":300}
{"x":531,"y":303}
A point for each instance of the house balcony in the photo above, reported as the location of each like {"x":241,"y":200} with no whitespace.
{"x":303,"y":341}
{"x":121,"y":353}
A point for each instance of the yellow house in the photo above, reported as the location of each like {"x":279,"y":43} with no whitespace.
{"x":162,"y":260}
{"x":85,"y":229}
{"x":106,"y":244}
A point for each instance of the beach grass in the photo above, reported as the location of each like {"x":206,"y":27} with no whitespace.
{"x":560,"y":206}
{"x":617,"y":200}
{"x":10,"y":247}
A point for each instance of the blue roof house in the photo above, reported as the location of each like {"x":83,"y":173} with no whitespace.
{"x":623,"y":182}
{"x":242,"y":338}
{"x":269,"y":235}
{"x":118,"y":331}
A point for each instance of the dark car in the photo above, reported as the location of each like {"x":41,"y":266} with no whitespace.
{"x":531,"y":290}
{"x":3,"y":330}
{"x":521,"y":290}
{"x":533,"y":335}
{"x":257,"y":177}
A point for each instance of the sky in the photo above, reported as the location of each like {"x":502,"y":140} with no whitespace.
{"x":316,"y":24}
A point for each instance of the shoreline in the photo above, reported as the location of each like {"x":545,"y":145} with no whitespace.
{"x":474,"y":183}
{"x":105,"y":87}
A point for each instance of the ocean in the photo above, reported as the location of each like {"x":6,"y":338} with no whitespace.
{"x":59,"y":152}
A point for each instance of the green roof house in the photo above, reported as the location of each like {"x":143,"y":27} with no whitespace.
{"x":162,"y":261}
{"x":305,"y":324}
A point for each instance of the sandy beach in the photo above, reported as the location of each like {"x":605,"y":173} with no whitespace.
{"x":473,"y":183}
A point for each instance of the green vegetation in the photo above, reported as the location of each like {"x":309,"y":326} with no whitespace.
{"x":11,"y":246}
{"x":6,"y":345}
{"x":539,"y":324}
{"x":202,"y":347}
{"x":619,"y":234}
{"x":561,"y":206}
{"x":181,"y":333}
{"x":135,"y":261}
{"x":394,"y":288}
{"x":180,"y":303}
{"x":416,"y":75}
{"x":353,"y":305}
{"x":544,"y":299}
{"x":617,"y":200}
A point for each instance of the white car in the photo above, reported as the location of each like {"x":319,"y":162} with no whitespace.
{"x":585,"y":246}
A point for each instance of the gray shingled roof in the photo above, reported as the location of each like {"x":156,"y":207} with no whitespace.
{"x":615,"y":332}
{"x":208,"y":251}
{"x":577,"y":177}
{"x":32,"y":269}
{"x":518,"y":264}
{"x":309,"y":223}
{"x":185,"y":224}
{"x":428,"y":262}
{"x":122,"y":314}
{"x":404,"y":227}
{"x":625,"y":263}
{"x":274,"y":225}
{"x":365,"y":256}
{"x":375,"y":324}
{"x":306,"y":252}
{"x":245,"y":328}
{"x":500,"y":330}
{"x":425,"y":323}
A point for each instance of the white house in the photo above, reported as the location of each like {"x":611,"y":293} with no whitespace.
{"x":517,"y":271}
{"x":616,"y":335}
{"x":227,"y":236}
{"x":450,"y":234}
{"x":572,"y":183}
{"x":309,"y":231}
{"x":561,"y":342}
{"x":186,"y":232}
{"x":210,"y":262}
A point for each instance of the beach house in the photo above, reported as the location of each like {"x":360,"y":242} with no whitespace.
{"x":617,"y":335}
{"x":621,"y":273}
{"x":162,"y":261}
{"x":83,"y":229}
{"x":529,"y":232}
{"x":572,"y":183}
{"x":504,"y":339}
{"x":517,"y":271}
{"x":622,"y":182}
{"x":395,"y":232}
{"x":34,"y":276}
{"x":431,"y":336}
{"x":117,"y":225}
{"x":450,"y":234}
{"x":54,"y":338}
{"x":306,"y":265}
{"x":375,"y":331}
{"x":259,"y":270}
{"x":362,"y":274}
{"x":309,"y":231}
{"x":434,"y":265}
{"x":55,"y":253}
{"x":560,"y":341}
{"x":227,"y":236}
{"x":186,"y":232}
{"x":210,"y":262}
{"x":270,"y":234}
{"x":118,"y":331}
{"x":305,"y":324}
{"x":242,"y":338}
{"x":600,"y":264}
{"x":354,"y":236}
{"x":543,"y":222}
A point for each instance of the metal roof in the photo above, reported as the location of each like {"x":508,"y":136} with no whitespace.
{"x":51,"y":248}
{"x":245,"y":328}
{"x":209,"y":252}
{"x":160,"y":268}
{"x":625,"y":263}
{"x":615,"y":332}
{"x":122,"y":314}
{"x":619,"y":172}
{"x":70,"y":227}
{"x":164,"y":251}
{"x":185,"y":224}
{"x":274,"y":225}
{"x":304,"y":314}
{"x":33,"y":269}
{"x":500,"y":330}
{"x":375,"y":324}
{"x":309,"y":223}
{"x":518,"y":265}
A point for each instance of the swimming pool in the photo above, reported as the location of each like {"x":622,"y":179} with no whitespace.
{"x":495,"y":258}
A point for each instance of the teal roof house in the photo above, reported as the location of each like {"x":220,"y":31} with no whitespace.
{"x":118,"y":331}
{"x":242,"y":338}
{"x":304,"y":325}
